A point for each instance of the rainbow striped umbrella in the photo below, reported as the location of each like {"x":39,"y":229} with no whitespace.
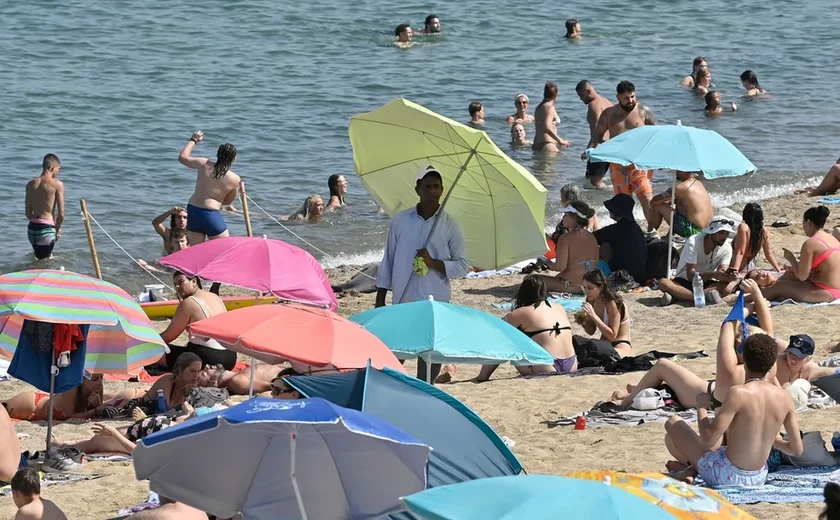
{"x":121,"y":339}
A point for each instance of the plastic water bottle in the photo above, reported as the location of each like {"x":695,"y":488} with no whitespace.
{"x":161,"y":402}
{"x":835,"y":441}
{"x":697,"y":289}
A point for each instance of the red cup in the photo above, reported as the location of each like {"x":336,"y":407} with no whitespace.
{"x":580,"y":423}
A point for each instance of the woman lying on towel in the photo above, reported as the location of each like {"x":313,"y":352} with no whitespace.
{"x":82,"y":402}
{"x":546,"y":324}
{"x":729,"y":369}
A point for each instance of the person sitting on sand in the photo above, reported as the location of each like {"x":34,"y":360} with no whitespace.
{"x":9,"y":447}
{"x":815,"y":276}
{"x":476,"y":110}
{"x":694,"y":206}
{"x":751,"y":416}
{"x":697,"y":65}
{"x":750,"y":238}
{"x":543,"y":322}
{"x":196,"y":305}
{"x":404,"y":35}
{"x":576,"y":251}
{"x":338,"y":189}
{"x":685,"y":384}
{"x":83,"y":402}
{"x":623,"y":245}
{"x":312,"y":209}
{"x":703,"y":84}
{"x":709,"y":254}
{"x":714,"y":106}
{"x":518,"y":137}
{"x":546,"y":121}
{"x":177,"y":220}
{"x":572,"y":29}
{"x":750,"y":83}
{"x":521,"y":115}
{"x":795,"y":362}
{"x":26,"y":494}
{"x":604,"y":311}
{"x":829,"y":185}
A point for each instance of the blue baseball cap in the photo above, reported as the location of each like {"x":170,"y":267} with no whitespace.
{"x":801,"y":346}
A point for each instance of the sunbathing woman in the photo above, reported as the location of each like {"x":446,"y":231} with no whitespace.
{"x":729,"y":370}
{"x":546,"y":324}
{"x":82,"y":402}
{"x":605,"y":311}
{"x":751,"y":238}
{"x":576,"y":252}
{"x":815,"y":276}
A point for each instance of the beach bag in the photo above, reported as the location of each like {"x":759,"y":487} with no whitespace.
{"x":207,"y":397}
{"x":657,"y":259}
{"x":594,"y":352}
{"x":814,"y":453}
{"x":650,"y":399}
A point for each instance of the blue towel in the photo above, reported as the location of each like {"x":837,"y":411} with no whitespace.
{"x":786,"y":486}
{"x":570,"y":304}
{"x":33,"y":366}
{"x":829,"y":200}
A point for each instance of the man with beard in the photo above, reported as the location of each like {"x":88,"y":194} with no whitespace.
{"x":615,"y":120}
{"x":595,"y":106}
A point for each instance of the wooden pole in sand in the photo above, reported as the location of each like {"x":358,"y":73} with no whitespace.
{"x":92,"y":245}
{"x":245,"y":211}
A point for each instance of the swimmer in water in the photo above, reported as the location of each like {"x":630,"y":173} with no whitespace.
{"x":177,"y":220}
{"x":476,"y":114}
{"x":546,"y":119}
{"x":697,"y":65}
{"x":518,"y":138}
{"x":713,"y":106}
{"x":404,"y":35}
{"x":750,"y":82}
{"x":521,"y":116}
{"x":311,"y":210}
{"x":431,"y":25}
{"x":704,"y":82}
{"x":572,"y":29}
{"x":595,"y":104}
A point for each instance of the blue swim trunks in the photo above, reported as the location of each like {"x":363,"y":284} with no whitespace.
{"x":207,"y":221}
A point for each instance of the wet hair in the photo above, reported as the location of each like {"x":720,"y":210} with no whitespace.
{"x":624,"y":87}
{"x":184,"y":360}
{"x":429,"y":19}
{"x":608,"y":292}
{"x":584,"y":209}
{"x":697,"y":61}
{"x":582,"y":84}
{"x":176,"y":274}
{"x":475,"y":107}
{"x":549,"y":91}
{"x":224,"y":159}
{"x":818,"y":215}
{"x":753,"y":217}
{"x":709,"y":97}
{"x":27,"y":482}
{"x":532,"y":291}
{"x":750,"y":77}
{"x":760,"y":353}
{"x":172,"y":220}
{"x":513,"y":127}
{"x":570,"y":192}
{"x":400,"y":28}
{"x":570,"y":26}
{"x":434,"y":174}
{"x":50,"y":161}
{"x":831,"y":492}
{"x":332,"y":184}
{"x":307,"y":210}
{"x":176,"y":234}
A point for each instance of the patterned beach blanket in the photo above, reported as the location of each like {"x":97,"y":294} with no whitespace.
{"x":786,"y":486}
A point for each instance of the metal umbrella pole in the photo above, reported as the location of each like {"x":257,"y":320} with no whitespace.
{"x":671,"y":226}
{"x":53,"y":373}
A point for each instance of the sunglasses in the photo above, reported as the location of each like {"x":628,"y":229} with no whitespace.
{"x":521,"y":102}
{"x":722,"y":221}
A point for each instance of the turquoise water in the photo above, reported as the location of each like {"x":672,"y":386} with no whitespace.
{"x":116,"y":89}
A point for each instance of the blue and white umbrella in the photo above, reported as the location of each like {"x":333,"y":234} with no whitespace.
{"x":269,"y":459}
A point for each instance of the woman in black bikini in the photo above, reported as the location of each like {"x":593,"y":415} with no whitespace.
{"x":546,"y":324}
{"x":605,"y":311}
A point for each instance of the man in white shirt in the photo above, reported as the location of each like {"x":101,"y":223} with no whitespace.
{"x":709,"y":254}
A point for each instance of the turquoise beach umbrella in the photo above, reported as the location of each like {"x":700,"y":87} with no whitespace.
{"x":535,"y":497}
{"x":448,"y":333}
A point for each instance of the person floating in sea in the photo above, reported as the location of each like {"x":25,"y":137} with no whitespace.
{"x":312,"y":209}
{"x":694,"y":206}
{"x":476,"y":110}
{"x":215,"y":187}
{"x":546,"y":120}
{"x":750,"y":83}
{"x":713,"y":105}
{"x":572,"y":29}
{"x":697,"y":65}
{"x":829,"y":185}
{"x":45,"y":208}
{"x":431,"y":26}
{"x":521,"y":115}
{"x":177,"y":223}
{"x":338,"y":188}
{"x":595,"y":105}
{"x":518,"y":137}
{"x":404,"y":35}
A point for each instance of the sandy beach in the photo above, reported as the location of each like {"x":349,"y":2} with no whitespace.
{"x":517,"y":407}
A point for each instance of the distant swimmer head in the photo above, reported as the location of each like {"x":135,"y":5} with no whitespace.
{"x":549,"y":91}
{"x":178,"y":239}
{"x":313,"y":207}
{"x":698,"y":64}
{"x":517,"y":134}
{"x":476,"y":110}
{"x":570,"y":193}
{"x":626,"y":95}
{"x":432,"y":24}
{"x":225,"y":157}
{"x":814,"y":219}
{"x":703,"y":78}
{"x":521,"y":101}
{"x":585,"y":91}
{"x":178,"y":219}
{"x":572,"y":28}
{"x":749,"y":80}
{"x":712,"y":98}
{"x":51,"y":164}
{"x":403,"y":33}
{"x":337,"y":184}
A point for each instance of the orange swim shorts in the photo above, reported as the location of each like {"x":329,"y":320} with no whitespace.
{"x":629,"y":180}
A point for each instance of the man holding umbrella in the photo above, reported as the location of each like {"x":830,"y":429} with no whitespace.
{"x":425,"y":249}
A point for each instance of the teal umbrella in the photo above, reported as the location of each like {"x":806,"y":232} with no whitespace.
{"x":535,"y":497}
{"x":674,"y":147}
{"x":448,"y":333}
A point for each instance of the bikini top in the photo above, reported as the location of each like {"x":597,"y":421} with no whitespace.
{"x":822,"y":257}
{"x":556,"y":329}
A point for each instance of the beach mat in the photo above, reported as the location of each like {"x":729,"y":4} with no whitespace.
{"x":570,"y":303}
{"x":788,"y":485}
{"x":57,"y":479}
{"x":829,"y":200}
{"x":801,"y":304}
{"x":598,"y":418}
{"x":108,"y":457}
{"x":490,"y":273}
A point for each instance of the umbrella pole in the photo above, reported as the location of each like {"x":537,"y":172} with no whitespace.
{"x":293,"y":445}
{"x":91,"y":244}
{"x":245,"y":213}
{"x":53,"y":370}
{"x":251,"y":386}
{"x":427,"y":357}
{"x":671,"y":226}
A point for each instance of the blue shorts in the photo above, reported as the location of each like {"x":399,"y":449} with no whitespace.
{"x":207,"y":221}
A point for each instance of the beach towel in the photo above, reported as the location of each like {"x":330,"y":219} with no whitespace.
{"x":570,"y":303}
{"x":785,"y":486}
{"x":802,"y":304}
{"x":514,"y":269}
{"x":829,"y":200}
{"x":114,"y":456}
{"x":57,"y":479}
{"x":597,"y":418}
{"x":152,"y":502}
{"x":4,"y":370}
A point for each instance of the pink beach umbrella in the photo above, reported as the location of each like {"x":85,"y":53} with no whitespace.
{"x":260,"y":264}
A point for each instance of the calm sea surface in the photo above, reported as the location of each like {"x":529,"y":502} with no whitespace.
{"x":116,"y":88}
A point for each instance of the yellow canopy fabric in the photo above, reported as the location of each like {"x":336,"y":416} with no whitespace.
{"x":498,"y":204}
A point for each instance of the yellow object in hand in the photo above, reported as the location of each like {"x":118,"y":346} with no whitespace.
{"x":420,"y":266}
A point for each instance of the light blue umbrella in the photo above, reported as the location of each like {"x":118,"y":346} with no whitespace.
{"x":674,"y":147}
{"x":297,"y":460}
{"x":448,"y":333}
{"x":535,"y":497}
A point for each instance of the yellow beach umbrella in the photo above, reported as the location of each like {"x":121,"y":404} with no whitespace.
{"x":681,"y":499}
{"x":498,"y":204}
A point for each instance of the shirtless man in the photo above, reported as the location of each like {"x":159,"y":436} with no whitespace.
{"x":751,"y":417}
{"x":431,"y":25}
{"x":44,"y":198}
{"x":9,"y":447}
{"x":694,"y":206}
{"x":545,"y":123}
{"x":713,"y":106}
{"x":829,"y":185}
{"x":595,"y":105}
{"x":177,"y":220}
{"x":795,"y":363}
{"x":521,"y":116}
{"x":215,"y":187}
{"x":26,"y":494}
{"x":616,"y":120}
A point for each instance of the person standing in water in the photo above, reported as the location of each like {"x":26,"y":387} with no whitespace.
{"x":572,"y":29}
{"x":713,"y":104}
{"x":750,"y":83}
{"x":546,"y":119}
{"x":215,"y":187}
{"x":595,"y":105}
{"x":45,"y":207}
{"x":476,"y":110}
{"x":521,"y":116}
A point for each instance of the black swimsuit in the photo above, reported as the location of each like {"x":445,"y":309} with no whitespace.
{"x":557,"y":329}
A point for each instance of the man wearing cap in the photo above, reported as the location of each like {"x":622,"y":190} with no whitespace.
{"x":795,"y":362}
{"x":623,"y":244}
{"x":709,"y":254}
{"x":694,"y":206}
{"x":410,"y":237}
